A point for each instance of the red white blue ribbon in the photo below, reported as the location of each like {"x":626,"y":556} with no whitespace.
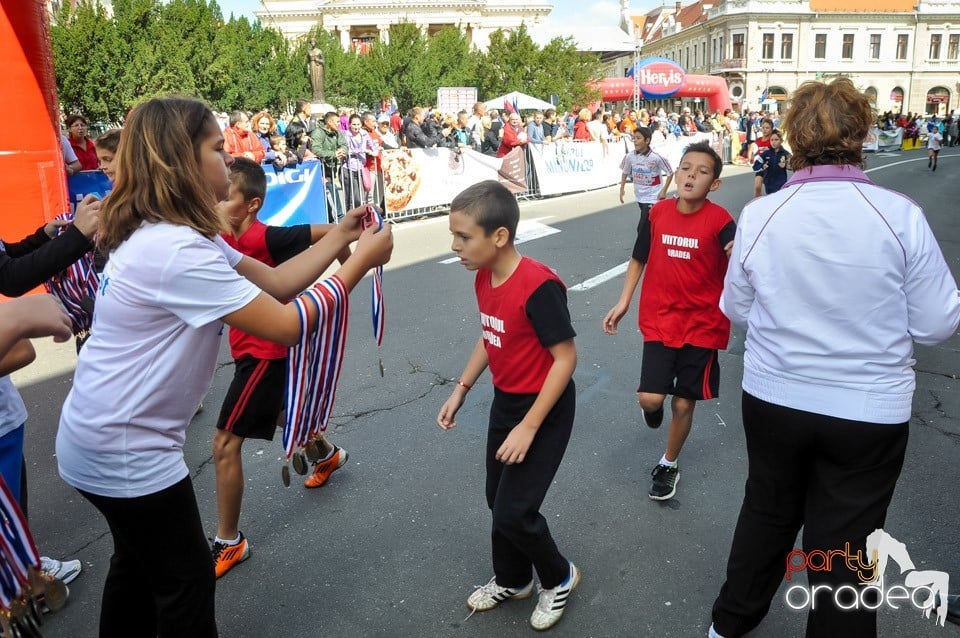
{"x":377,"y":309}
{"x":74,"y":284}
{"x":314,"y":364}
{"x":18,"y":553}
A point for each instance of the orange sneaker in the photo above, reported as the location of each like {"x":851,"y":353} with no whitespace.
{"x":226,"y":557}
{"x":326,"y":467}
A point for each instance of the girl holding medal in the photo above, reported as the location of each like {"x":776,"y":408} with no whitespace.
{"x":169,"y":286}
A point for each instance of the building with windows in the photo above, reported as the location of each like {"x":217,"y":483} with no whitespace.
{"x":360,"y":22}
{"x":905,"y":56}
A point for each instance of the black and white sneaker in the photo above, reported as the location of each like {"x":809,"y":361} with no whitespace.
{"x":488,"y":596}
{"x":665,"y":479}
{"x":552,"y":602}
{"x":653,"y":419}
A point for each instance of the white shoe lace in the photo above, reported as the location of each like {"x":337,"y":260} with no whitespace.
{"x":490,"y":589}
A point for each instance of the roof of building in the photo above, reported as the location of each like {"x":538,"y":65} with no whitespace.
{"x":863,"y":6}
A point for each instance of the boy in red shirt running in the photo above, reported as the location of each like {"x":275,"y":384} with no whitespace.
{"x":683,"y":245}
{"x":254,"y":400}
{"x":527,"y":341}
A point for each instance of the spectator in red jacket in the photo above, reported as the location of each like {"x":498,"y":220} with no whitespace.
{"x":513,"y":135}
{"x":82,"y":145}
{"x":239,"y":140}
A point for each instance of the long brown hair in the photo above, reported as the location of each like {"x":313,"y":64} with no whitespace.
{"x":827,"y":124}
{"x":157,"y":180}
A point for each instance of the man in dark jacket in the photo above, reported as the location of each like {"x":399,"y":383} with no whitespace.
{"x":416,"y":136}
{"x":330,"y":147}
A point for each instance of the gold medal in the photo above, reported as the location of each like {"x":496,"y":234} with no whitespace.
{"x":285,"y":475}
{"x":55,"y":594}
{"x":299,"y":463}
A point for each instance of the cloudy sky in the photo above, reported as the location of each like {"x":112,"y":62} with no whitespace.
{"x":569,"y":17}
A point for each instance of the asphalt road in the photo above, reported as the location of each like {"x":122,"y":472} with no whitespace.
{"x":394,"y":544}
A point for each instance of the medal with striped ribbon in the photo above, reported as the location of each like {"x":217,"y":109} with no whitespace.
{"x":313,"y":366}
{"x":74,"y":286}
{"x":377,"y":308}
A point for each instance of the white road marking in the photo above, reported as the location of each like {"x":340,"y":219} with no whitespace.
{"x":603,"y":277}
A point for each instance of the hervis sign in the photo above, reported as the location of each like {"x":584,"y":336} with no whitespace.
{"x":658,"y":77}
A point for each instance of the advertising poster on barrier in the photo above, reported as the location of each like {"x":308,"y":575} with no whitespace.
{"x":84,"y":183}
{"x":295,"y":195}
{"x":566,"y":167}
{"x":447,"y":172}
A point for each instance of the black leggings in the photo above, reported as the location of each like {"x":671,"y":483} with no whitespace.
{"x":161,"y":580}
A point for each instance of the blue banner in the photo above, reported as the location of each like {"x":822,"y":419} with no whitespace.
{"x":84,"y":183}
{"x":295,"y":195}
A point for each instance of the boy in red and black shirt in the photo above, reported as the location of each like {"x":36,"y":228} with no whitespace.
{"x":254,"y":401}
{"x":527,"y":341}
{"x":683,"y":245}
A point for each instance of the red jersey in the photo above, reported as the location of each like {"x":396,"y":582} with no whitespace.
{"x":683,"y":277}
{"x":518,"y":333}
{"x":271,"y":245}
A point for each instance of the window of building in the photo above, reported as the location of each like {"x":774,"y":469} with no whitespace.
{"x":767,"y":46}
{"x":738,"y":45}
{"x":723,"y":52}
{"x":820,"y":46}
{"x":938,"y":101}
{"x":694,"y":56}
{"x":703,"y":51}
{"x":935,"y":39}
{"x":687,"y":63}
{"x":786,"y":46}
{"x":953,"y":46}
{"x":903,"y":41}
{"x":871,"y":94}
{"x":874,"y":46}
{"x":713,"y":50}
{"x":847,"y":52}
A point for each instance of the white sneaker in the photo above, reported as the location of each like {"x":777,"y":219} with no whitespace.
{"x":66,"y":571}
{"x":553,"y":601}
{"x":490,"y":595}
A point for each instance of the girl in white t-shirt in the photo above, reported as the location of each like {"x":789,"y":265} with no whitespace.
{"x":168,"y":288}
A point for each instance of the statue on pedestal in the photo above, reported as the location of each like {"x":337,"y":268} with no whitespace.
{"x":315,"y":67}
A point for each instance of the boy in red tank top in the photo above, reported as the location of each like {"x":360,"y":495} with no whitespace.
{"x":683,"y":246}
{"x":254,"y":401}
{"x":527,"y":342}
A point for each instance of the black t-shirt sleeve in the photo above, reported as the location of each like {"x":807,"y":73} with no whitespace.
{"x":727,"y":233}
{"x":285,"y":242}
{"x":641,"y":248}
{"x":547,"y":310}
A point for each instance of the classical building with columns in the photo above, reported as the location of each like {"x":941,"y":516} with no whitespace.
{"x":905,"y":54}
{"x":360,"y":22}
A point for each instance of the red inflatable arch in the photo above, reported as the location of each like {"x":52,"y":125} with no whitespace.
{"x":32,"y":175}
{"x":660,"y":78}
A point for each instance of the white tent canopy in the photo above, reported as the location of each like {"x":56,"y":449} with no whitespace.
{"x":522,"y":100}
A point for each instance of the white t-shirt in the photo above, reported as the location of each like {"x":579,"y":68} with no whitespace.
{"x":934,"y":140}
{"x":598,"y":130}
{"x":150,"y":359}
{"x":647,"y":171}
{"x":69,"y":155}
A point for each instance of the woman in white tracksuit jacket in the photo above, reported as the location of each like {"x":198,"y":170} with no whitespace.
{"x":833,"y":278}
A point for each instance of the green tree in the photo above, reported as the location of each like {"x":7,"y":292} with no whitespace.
{"x":81,"y":64}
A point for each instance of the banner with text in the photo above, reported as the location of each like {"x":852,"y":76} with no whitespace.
{"x":295,"y":195}
{"x":566,"y":166}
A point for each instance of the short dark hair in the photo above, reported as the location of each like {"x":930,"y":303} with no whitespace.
{"x":490,"y":205}
{"x":301,"y":104}
{"x":644,"y":131}
{"x":109,"y":140}
{"x":76,"y":117}
{"x":330,"y":115}
{"x":236,"y":117}
{"x":704,"y":147}
{"x":248,"y":177}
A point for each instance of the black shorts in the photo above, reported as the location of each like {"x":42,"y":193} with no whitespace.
{"x":255,"y":398}
{"x":644,"y":213}
{"x":689,"y":372}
